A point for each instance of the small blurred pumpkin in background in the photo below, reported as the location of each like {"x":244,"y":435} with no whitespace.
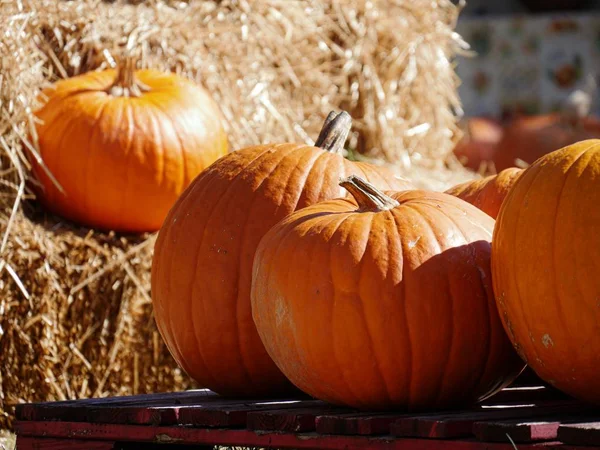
{"x":479,"y":141}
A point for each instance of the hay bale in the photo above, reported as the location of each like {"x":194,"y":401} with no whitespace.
{"x":75,"y":311}
{"x":77,"y":317}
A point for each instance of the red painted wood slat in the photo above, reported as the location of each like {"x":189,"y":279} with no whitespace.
{"x":235,"y":415}
{"x":519,"y":431}
{"x":155,"y":411}
{"x":582,"y":433}
{"x":246,"y":438}
{"x":36,"y":443}
{"x":439,"y":426}
{"x":298,"y":420}
{"x":71,"y":409}
{"x":367,"y":424}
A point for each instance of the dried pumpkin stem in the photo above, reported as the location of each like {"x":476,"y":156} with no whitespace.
{"x":368,"y":197}
{"x":335,"y":131}
{"x":125,"y":84}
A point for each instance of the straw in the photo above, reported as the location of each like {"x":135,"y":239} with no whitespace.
{"x":75,"y":310}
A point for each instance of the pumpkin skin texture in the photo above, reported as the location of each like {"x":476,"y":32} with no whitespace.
{"x":487,"y":193}
{"x":202,"y":267}
{"x":529,"y":138}
{"x":123,"y":145}
{"x":545,"y":262}
{"x":479,"y":142}
{"x":385,"y":305}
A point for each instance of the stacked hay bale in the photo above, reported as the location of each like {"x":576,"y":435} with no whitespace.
{"x":75,"y":311}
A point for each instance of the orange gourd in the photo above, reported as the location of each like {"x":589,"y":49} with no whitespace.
{"x":545,"y":265}
{"x":202,"y":267}
{"x":122,"y":145}
{"x":384,"y":301}
{"x":487,"y":193}
{"x":479,"y":142}
{"x":528,"y":138}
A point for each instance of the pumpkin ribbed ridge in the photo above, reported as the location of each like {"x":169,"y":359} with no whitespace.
{"x":487,"y":193}
{"x":350,"y":304}
{"x":547,"y":232}
{"x":122,"y":161}
{"x":231,"y":205}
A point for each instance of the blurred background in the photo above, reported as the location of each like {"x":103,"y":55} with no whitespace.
{"x":531,"y":54}
{"x":528,"y":84}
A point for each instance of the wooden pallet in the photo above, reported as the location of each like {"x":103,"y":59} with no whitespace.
{"x":531,"y":417}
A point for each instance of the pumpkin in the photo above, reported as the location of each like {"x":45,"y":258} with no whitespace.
{"x":479,"y":141}
{"x":487,"y":193}
{"x":384,"y":301}
{"x":202,"y":267}
{"x":121,"y":145}
{"x":528,"y":138}
{"x":545,"y":263}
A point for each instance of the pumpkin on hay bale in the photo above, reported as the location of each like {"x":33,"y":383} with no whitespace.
{"x":76,"y":317}
{"x":119,"y":146}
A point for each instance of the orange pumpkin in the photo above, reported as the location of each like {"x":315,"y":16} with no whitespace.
{"x":202,"y":268}
{"x":487,"y":193}
{"x":529,"y":138}
{"x":545,"y":263}
{"x":384,"y":301}
{"x":122,"y":145}
{"x":479,"y":142}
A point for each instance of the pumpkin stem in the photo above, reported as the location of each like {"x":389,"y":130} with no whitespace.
{"x":335,"y":131}
{"x":368,"y":197}
{"x":125,"y":83}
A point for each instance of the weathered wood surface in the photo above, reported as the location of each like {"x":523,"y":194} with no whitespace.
{"x":529,"y":416}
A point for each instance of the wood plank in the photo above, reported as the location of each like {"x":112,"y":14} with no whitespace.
{"x":36,"y":443}
{"x":370,"y":424}
{"x":438,"y":426}
{"x":72,"y":408}
{"x":163,"y":411}
{"x":235,"y":415}
{"x":518,"y":430}
{"x":134,"y":399}
{"x":294,"y":420}
{"x":76,"y":410}
{"x":166,"y":415}
{"x":363,"y":424}
{"x":31,"y":443}
{"x":581,"y":433}
{"x":149,"y":446}
{"x":248,"y":438}
{"x":133,"y":415}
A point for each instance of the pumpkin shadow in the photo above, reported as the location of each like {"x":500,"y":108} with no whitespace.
{"x":60,"y":226}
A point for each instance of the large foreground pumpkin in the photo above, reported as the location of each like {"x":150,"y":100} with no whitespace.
{"x":202,"y":268}
{"x":122,"y":145}
{"x":384,"y":301}
{"x":487,"y":193}
{"x":546,"y":266}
